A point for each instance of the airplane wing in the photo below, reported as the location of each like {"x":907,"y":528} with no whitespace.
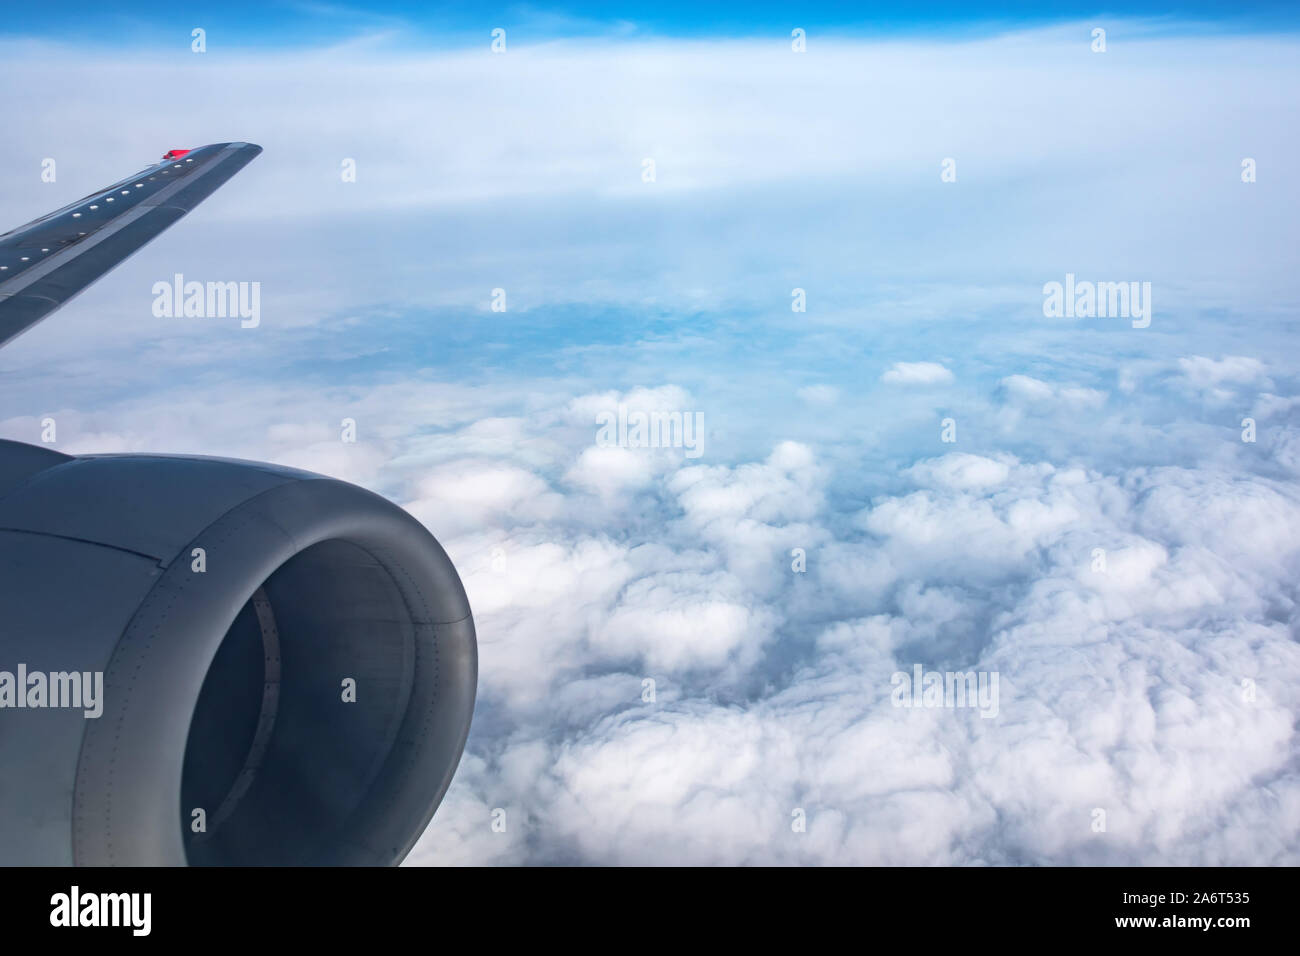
{"x":48,"y":261}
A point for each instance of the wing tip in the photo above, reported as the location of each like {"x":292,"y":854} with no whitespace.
{"x":250,"y":149}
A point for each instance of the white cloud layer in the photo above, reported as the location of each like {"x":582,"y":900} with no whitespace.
{"x":1158,"y":685}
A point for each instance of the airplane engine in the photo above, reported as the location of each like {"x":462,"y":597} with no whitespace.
{"x":286,"y":665}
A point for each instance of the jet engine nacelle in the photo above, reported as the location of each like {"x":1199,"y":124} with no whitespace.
{"x":288,"y":665}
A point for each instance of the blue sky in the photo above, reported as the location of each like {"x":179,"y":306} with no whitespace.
{"x":592,"y":569}
{"x":298,"y":23}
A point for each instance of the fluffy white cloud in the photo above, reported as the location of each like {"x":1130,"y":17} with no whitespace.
{"x":471,"y":493}
{"x":1204,"y":372}
{"x":1032,"y":392}
{"x":960,"y":471}
{"x":917,"y":373}
{"x":1217,"y":378}
{"x":611,"y":470}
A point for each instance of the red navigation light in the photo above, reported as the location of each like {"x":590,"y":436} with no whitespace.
{"x":175,"y":153}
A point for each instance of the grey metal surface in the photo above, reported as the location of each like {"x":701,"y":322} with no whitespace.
{"x":359,"y":589}
{"x":50,"y":260}
{"x":52,"y":622}
{"x":129,"y":503}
